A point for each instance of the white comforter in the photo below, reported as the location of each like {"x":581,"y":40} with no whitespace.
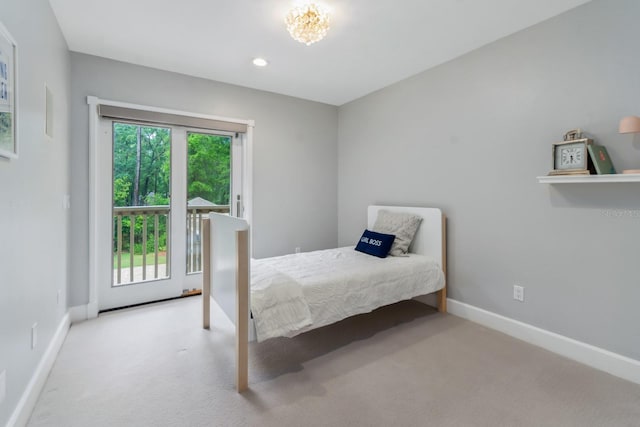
{"x":295,"y":293}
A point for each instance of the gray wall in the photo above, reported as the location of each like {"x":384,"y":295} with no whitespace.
{"x":470,"y":137}
{"x":33,"y":223}
{"x":295,"y":153}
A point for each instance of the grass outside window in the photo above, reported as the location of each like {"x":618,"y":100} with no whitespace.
{"x":137,"y":260}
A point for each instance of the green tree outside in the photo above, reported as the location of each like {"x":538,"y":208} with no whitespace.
{"x":209,"y":168}
{"x":142,"y":172}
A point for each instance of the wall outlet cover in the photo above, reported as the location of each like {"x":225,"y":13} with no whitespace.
{"x":518,"y":293}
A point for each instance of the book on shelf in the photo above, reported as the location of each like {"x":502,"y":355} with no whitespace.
{"x":601,"y":160}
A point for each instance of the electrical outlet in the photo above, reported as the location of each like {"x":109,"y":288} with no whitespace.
{"x":66,"y":201}
{"x":518,"y":293}
{"x":298,"y":249}
{"x":34,"y":335}
{"x":3,"y":385}
{"x":58,"y":297}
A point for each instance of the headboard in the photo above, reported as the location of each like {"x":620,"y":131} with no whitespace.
{"x":430,"y":237}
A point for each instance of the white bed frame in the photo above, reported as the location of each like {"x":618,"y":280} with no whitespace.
{"x":226,"y":275}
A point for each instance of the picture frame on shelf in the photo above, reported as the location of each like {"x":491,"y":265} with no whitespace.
{"x":8,"y":95}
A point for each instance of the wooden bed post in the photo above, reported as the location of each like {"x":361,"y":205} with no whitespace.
{"x":206,"y":273}
{"x":242,"y":311}
{"x":442,"y":293}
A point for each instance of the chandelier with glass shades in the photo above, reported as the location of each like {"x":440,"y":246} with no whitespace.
{"x":307,"y":24}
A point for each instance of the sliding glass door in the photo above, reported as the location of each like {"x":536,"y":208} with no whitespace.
{"x":164,"y":181}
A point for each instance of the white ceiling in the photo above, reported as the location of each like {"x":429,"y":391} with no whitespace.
{"x":371,"y":43}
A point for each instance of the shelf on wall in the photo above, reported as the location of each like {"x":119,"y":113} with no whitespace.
{"x":575,"y":179}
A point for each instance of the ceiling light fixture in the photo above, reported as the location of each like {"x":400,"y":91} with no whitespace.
{"x":307,"y":24}
{"x":260,"y":62}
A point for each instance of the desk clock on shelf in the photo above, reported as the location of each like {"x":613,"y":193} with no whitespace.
{"x":571,"y":156}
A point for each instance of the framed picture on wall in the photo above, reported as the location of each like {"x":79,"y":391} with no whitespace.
{"x":8,"y":95}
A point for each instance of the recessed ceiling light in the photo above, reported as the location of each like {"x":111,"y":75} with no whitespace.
{"x":260,"y":62}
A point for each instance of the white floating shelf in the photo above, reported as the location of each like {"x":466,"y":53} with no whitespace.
{"x":571,"y":179}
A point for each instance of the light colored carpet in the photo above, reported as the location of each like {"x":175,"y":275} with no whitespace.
{"x":402,"y":365}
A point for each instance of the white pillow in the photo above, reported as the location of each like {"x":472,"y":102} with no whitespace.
{"x":402,"y":225}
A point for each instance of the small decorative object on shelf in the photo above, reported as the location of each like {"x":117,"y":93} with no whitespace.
{"x":600,"y":159}
{"x":570,"y":157}
{"x":630,"y":124}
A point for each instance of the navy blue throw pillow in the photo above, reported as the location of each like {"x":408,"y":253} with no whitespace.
{"x":376,"y":244}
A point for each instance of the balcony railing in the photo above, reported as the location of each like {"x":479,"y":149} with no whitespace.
{"x":144,"y":229}
{"x":195,"y":215}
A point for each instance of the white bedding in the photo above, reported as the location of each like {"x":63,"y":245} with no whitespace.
{"x":334,"y":284}
{"x":277,"y":302}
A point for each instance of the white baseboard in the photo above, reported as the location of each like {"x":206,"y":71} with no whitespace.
{"x":598,"y":358}
{"x":27,"y":402}
{"x":78,"y":313}
{"x":92,"y":310}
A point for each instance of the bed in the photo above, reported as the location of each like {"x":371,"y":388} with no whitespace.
{"x":295,"y":293}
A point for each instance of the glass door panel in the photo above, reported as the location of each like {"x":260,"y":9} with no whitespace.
{"x":141,"y":203}
{"x":208,"y":187}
